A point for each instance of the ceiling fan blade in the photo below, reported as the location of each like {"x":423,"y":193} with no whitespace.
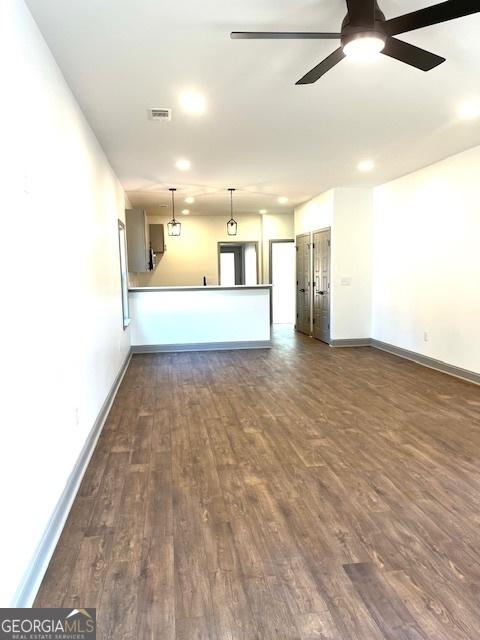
{"x":414,"y":56}
{"x":317,"y":72}
{"x":283,"y":35}
{"x":361,"y":12}
{"x":431,"y":15}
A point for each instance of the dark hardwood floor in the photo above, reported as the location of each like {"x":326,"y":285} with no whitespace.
{"x":300,"y":492}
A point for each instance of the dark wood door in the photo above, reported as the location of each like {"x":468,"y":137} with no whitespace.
{"x":303,"y":284}
{"x":321,"y":285}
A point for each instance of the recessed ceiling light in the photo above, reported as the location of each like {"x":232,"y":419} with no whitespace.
{"x":190,"y":200}
{"x":469,"y":110}
{"x":365,"y":166}
{"x":185,"y":212}
{"x":183,"y":165}
{"x":193,"y":102}
{"x":282,"y":200}
{"x":262,"y":211}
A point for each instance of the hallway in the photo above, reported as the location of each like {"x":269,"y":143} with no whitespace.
{"x":299,"y":492}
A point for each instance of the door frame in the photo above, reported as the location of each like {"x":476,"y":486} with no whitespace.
{"x":270,"y":242}
{"x":270,"y":272}
{"x":312,"y":247}
{"x":242,"y":244}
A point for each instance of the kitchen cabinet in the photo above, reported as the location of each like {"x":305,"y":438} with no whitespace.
{"x":140,"y":258}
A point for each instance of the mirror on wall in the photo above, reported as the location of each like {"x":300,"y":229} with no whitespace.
{"x":237,"y":263}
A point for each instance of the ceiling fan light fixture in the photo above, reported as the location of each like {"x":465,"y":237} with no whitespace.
{"x":365,"y":33}
{"x":364,"y":46}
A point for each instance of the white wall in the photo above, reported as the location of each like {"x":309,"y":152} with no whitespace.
{"x":348,"y":212}
{"x":405,"y":260}
{"x":275,"y":227}
{"x":351,"y":277}
{"x":195,"y":253}
{"x":62,"y":337}
{"x":427,"y":261}
{"x":315,"y":214}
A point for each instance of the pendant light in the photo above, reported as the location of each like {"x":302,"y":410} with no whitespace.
{"x":231,"y":224}
{"x":174,"y":227}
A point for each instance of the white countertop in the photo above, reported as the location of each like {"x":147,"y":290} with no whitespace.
{"x":200,"y":288}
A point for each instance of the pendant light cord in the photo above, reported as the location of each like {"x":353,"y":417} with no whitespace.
{"x":231,"y":204}
{"x":173,"y":204}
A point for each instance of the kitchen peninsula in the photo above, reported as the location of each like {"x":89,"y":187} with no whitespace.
{"x":193,"y":318}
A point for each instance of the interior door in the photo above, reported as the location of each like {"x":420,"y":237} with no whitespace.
{"x":303,"y":284}
{"x":321,"y":285}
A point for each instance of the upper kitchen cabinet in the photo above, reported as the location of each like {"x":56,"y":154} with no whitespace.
{"x":140,"y":254}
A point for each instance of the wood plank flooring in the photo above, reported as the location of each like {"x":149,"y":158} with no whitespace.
{"x":295,"y":493}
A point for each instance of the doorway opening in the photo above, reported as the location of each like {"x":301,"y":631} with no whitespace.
{"x":237,"y":263}
{"x":282,"y":278}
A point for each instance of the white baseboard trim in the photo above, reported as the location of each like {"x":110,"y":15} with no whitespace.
{"x":201,"y":346}
{"x":33,"y":577}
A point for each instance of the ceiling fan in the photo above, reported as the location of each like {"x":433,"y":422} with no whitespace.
{"x":366,"y":32}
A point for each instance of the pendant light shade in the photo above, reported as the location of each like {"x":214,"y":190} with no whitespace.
{"x":174,"y":227}
{"x":231,"y":224}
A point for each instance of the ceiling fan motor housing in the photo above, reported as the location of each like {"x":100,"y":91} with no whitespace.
{"x":351,"y":30}
{"x":365,"y":33}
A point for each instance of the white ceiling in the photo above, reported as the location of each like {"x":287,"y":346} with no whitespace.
{"x":261,"y":133}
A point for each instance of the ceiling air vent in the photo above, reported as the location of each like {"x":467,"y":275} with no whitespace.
{"x":160,"y":114}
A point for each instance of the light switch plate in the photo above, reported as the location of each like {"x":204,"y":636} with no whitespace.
{"x":346,"y":281}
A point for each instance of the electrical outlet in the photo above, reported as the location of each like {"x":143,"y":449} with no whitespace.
{"x":425,"y":336}
{"x":77,"y":416}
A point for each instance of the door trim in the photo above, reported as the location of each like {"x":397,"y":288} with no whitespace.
{"x":270,"y":273}
{"x":270,"y":242}
{"x":241,"y":243}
